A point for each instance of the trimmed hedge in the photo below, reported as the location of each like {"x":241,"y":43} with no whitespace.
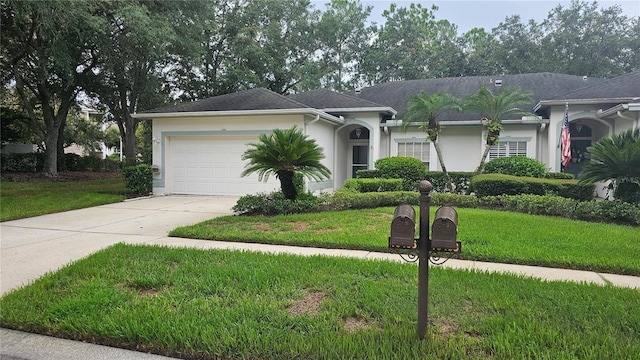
{"x":559,"y":175}
{"x":275,"y":203}
{"x":410,"y":170}
{"x":374,"y":185}
{"x":138,"y":179}
{"x":461,"y":181}
{"x":548,"y":205}
{"x":516,"y":166}
{"x":499,"y":184}
{"x":368,"y":174}
{"x":350,"y":199}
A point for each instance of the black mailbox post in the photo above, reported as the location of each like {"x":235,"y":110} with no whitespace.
{"x":444,"y":230}
{"x":444,"y":236}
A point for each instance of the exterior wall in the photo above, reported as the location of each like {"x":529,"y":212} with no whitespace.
{"x":164,"y":129}
{"x":459,"y":145}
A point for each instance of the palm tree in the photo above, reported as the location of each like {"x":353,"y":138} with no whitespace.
{"x":285,"y":153}
{"x":616,"y":158}
{"x":495,"y":108}
{"x":425,"y":109}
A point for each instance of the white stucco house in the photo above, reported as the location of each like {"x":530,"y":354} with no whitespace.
{"x":197,"y":146}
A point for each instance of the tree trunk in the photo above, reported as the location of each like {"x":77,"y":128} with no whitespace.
{"x":286,"y":184}
{"x":483,"y":159}
{"x":447,"y":178}
{"x":50,"y":167}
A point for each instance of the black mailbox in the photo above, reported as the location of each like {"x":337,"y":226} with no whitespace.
{"x":445,"y":229}
{"x":403,"y":228}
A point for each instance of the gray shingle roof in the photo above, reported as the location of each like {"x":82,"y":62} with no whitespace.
{"x":625,"y":86}
{"x":327,"y":99}
{"x":254,"y":99}
{"x":542,"y":86}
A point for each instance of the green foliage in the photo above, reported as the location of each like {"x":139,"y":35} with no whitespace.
{"x":508,"y":102}
{"x":516,"y":166}
{"x":459,"y":179}
{"x":351,"y":199}
{"x":459,"y":200}
{"x":559,"y":175}
{"x":276,"y":204}
{"x":138,"y":179}
{"x":499,"y":184}
{"x":616,"y":158}
{"x":552,"y":205}
{"x":285,"y":153}
{"x":367,"y":174}
{"x":373,"y":185}
{"x":410,"y":170}
{"x":29,"y":162}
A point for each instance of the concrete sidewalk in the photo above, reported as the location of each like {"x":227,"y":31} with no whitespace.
{"x":34,"y":246}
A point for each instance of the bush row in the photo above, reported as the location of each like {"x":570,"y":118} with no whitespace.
{"x":499,"y":184}
{"x":374,"y":185}
{"x":276,"y":204}
{"x":34,"y":162}
{"x":549,"y":205}
{"x":460,"y":180}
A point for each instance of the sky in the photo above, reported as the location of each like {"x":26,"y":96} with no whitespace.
{"x":487,"y":14}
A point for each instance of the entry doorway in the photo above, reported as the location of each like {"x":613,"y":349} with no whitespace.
{"x":359,"y":145}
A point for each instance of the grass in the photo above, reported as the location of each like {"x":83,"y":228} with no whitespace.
{"x":486,"y":235}
{"x":25,"y":199}
{"x":215,"y":304}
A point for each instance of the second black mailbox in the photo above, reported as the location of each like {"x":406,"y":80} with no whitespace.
{"x":403,"y":228}
{"x":445,"y":229}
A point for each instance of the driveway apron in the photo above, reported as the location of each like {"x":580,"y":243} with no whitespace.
{"x":32,"y":247}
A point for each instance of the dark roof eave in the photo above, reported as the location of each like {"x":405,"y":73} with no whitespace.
{"x":321,"y":114}
{"x":547,"y":103}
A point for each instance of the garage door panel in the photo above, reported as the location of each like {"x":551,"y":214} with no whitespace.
{"x":212,"y":166}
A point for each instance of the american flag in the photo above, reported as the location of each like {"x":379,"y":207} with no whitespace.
{"x":565,"y":139}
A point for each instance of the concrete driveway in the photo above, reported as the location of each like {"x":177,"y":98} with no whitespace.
{"x":29,"y":248}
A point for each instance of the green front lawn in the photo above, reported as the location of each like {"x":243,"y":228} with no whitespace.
{"x":196,"y":304}
{"x":486,"y":235}
{"x":25,"y":199}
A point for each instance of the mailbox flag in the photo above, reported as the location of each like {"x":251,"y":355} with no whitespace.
{"x":565,"y":139}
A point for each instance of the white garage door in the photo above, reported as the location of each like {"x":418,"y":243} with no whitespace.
{"x":212,"y":166}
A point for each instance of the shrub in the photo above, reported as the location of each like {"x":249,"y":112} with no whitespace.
{"x":560,"y":175}
{"x":138,"y":179}
{"x":498,"y":184}
{"x":516,"y":166}
{"x":410,"y":170}
{"x":350,"y":199}
{"x":367,"y":174}
{"x":276,"y":204}
{"x":460,"y":180}
{"x":374,"y":185}
{"x":551,"y":205}
{"x":29,"y":162}
{"x":466,"y":201}
{"x":627,"y":191}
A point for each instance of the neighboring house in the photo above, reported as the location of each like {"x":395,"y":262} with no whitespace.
{"x":198,"y":146}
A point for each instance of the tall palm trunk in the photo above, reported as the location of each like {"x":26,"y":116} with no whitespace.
{"x":483,"y":159}
{"x":447,"y":178}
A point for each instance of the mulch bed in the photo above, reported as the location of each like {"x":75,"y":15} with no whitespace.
{"x":63,"y":176}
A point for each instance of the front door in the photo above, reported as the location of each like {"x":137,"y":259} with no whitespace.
{"x":359,"y":158}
